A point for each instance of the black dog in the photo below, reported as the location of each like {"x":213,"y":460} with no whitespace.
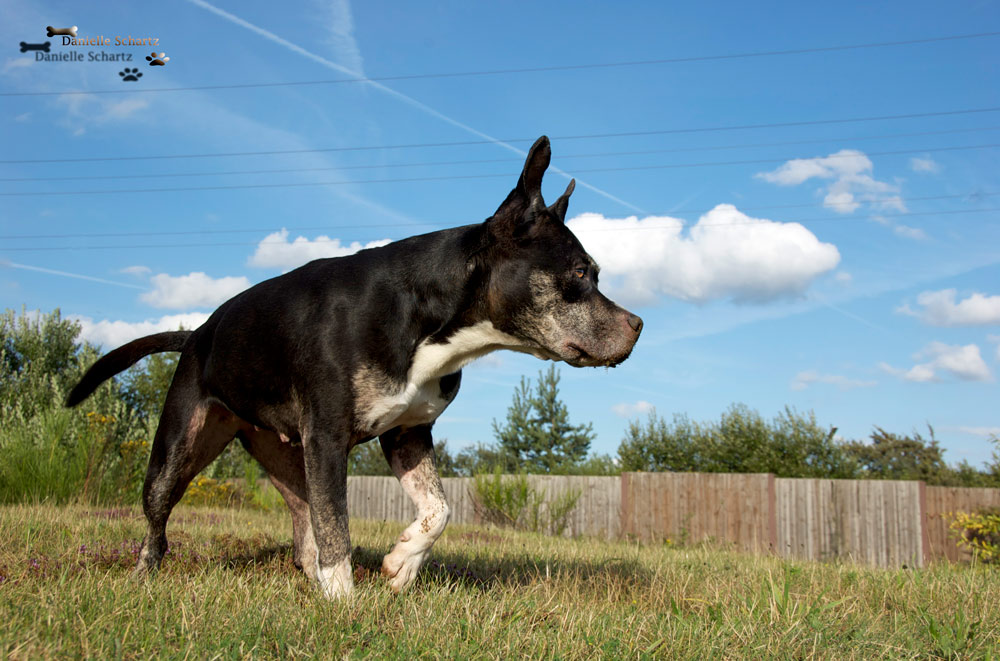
{"x":304,"y":366}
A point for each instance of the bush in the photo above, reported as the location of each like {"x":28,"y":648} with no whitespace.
{"x":979,"y":532}
{"x":511,"y":501}
{"x":95,"y":453}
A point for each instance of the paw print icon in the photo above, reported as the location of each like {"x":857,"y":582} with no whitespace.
{"x":157,"y":60}
{"x":130,"y":75}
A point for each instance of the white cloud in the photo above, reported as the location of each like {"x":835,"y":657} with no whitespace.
{"x":940,"y":309}
{"x":85,"y":110}
{"x":124,"y":108}
{"x":995,"y":339}
{"x":275,"y":251}
{"x":137,"y":270}
{"x":15,"y":63}
{"x":194,"y":290}
{"x":725,"y":255}
{"x":112,"y":334}
{"x":23,"y":117}
{"x":909,"y":232}
{"x":852,"y":183}
{"x":900,"y":230}
{"x":981,"y":431}
{"x":843,"y":277}
{"x":962,"y":362}
{"x":807,"y":378}
{"x":928,"y":165}
{"x":630,"y":410}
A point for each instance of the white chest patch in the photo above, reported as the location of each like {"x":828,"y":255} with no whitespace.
{"x":383,"y":404}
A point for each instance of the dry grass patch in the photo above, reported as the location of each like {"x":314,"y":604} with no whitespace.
{"x":228,"y":589}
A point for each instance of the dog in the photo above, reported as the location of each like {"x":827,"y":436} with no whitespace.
{"x":304,"y":366}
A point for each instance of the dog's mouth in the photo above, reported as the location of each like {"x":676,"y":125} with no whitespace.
{"x":577,"y":356}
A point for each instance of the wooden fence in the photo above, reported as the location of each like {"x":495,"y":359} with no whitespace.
{"x":876,"y":522}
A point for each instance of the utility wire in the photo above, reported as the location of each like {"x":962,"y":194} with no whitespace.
{"x":463,"y":143}
{"x":609,"y":229}
{"x":441,"y":223}
{"x":641,"y":152}
{"x":564,"y":67}
{"x":915,"y":150}
{"x":456,"y":177}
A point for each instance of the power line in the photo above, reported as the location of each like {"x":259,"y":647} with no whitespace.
{"x":620,"y":229}
{"x":542,"y":69}
{"x":495,"y":160}
{"x":441,"y":223}
{"x":465,"y":143}
{"x":474,"y":162}
{"x":457,"y":177}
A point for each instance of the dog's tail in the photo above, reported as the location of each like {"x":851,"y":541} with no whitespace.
{"x":124,"y":357}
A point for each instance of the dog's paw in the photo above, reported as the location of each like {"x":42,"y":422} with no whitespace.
{"x":401,"y":569}
{"x":336,"y":582}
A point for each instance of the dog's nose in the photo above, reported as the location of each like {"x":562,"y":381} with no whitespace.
{"x":635,"y":322}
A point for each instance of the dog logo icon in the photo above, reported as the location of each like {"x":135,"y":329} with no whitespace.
{"x":157,"y":60}
{"x":69,"y":32}
{"x":130,"y":74}
{"x":42,"y":47}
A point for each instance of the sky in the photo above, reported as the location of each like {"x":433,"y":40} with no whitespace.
{"x":800,"y":200}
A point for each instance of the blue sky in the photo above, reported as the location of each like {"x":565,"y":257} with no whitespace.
{"x":851,"y":268}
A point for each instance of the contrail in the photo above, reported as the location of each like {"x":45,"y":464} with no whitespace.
{"x":270,"y":36}
{"x":850,"y":315}
{"x":78,"y":276}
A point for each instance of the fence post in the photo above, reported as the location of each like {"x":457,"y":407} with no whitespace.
{"x":772,"y":515}
{"x":625,"y":508}
{"x":925,"y":537}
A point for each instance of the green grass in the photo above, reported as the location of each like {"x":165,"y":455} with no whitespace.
{"x":228,"y":590}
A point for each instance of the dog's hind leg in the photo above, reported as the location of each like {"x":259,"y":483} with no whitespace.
{"x":410,"y":452}
{"x":192,"y":432}
{"x":285,"y":466}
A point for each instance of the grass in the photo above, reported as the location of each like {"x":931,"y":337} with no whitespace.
{"x":228,"y":589}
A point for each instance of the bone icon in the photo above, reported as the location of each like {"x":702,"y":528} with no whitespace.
{"x":70,"y":32}
{"x":42,"y":47}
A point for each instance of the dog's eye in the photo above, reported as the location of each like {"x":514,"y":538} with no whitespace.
{"x":579,"y":272}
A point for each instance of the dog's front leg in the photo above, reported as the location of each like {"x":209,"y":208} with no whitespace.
{"x":410,"y":452}
{"x":325,"y":454}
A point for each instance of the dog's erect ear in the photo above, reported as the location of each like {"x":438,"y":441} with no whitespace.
{"x":559,"y":206}
{"x":534,"y":168}
{"x":528,"y":192}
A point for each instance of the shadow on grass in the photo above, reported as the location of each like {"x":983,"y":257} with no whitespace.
{"x":482,"y":569}
{"x":514,"y":569}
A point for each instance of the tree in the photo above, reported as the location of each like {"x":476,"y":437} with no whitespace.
{"x":368,"y":459}
{"x":895,"y":457}
{"x":537,"y":432}
{"x":790,"y":445}
{"x":40,"y":360}
{"x":145,"y":385}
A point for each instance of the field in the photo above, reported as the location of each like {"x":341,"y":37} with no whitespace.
{"x":228,"y":589}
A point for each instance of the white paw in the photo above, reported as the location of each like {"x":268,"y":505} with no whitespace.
{"x":336,"y":582}
{"x":401,"y":567}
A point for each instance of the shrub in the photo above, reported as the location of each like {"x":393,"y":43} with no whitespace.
{"x":511,"y":501}
{"x":979,"y":532}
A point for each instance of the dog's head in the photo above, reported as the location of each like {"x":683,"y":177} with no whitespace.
{"x":543,"y":284}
